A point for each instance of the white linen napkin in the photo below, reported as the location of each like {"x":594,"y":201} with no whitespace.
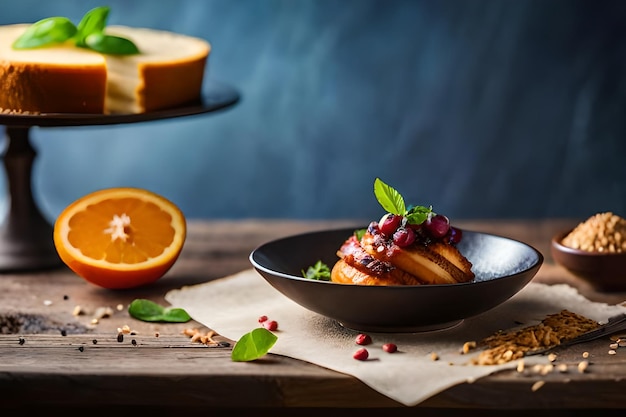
{"x":232,"y":305}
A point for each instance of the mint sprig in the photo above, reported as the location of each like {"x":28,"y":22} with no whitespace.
{"x":88,"y":34}
{"x":253,"y":345}
{"x":318,"y":271}
{"x":393,"y":202}
{"x":45,"y":32}
{"x":146,"y":310}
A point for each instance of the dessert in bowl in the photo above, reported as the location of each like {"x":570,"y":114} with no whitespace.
{"x":398,"y":288}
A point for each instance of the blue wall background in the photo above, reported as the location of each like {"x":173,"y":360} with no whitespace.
{"x":481,"y":108}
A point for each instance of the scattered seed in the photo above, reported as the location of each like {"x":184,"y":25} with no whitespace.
{"x":66,"y":297}
{"x":613,"y":346}
{"x":120,"y":307}
{"x":467,"y":346}
{"x":124,"y":329}
{"x":271,"y":325}
{"x":612,"y":352}
{"x":361,"y":354}
{"x":520,"y":365}
{"x":47,"y":302}
{"x":81,"y":348}
{"x":390,"y":347}
{"x":562,"y":368}
{"x":262,"y":319}
{"x":223,"y":344}
{"x":537,"y":385}
{"x":434,"y":356}
{"x":552,"y":357}
{"x":546,"y":369}
{"x":621,"y":343}
{"x":585,"y":355}
{"x":156,"y":334}
{"x":582,"y":366}
{"x":21,"y":340}
{"x":134,"y":342}
{"x":120,"y":337}
{"x":94,"y":341}
{"x":363,"y":339}
{"x":63,"y":332}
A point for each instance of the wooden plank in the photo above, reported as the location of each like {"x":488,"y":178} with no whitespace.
{"x":169,"y":372}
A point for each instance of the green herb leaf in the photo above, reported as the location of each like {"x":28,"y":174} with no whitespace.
{"x":389,"y":198}
{"x":418,"y":214}
{"x":111,"y":45}
{"x":45,"y":32}
{"x":94,"y":21}
{"x":318,"y":271}
{"x":89,"y":34}
{"x":359,"y":234}
{"x":146,"y":310}
{"x":253,"y":345}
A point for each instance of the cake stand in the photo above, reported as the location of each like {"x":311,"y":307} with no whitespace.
{"x":26,"y":241}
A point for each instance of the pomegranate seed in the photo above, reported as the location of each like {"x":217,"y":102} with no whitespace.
{"x":404,"y":236}
{"x":363,"y":339}
{"x":270,"y":325}
{"x":361,"y":354}
{"x":390,"y":347}
{"x":262,"y":319}
{"x":389,"y":223}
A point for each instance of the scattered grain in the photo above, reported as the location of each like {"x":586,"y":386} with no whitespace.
{"x":537,"y":385}
{"x":77,"y":311}
{"x":503,"y":346}
{"x":613,"y":346}
{"x":585,"y":355}
{"x":434,"y":356}
{"x":562,"y":368}
{"x":612,"y":352}
{"x":552,"y":357}
{"x":546,"y":369}
{"x":582,"y":366}
{"x":47,"y":302}
{"x":467,"y":346}
{"x":520,"y":365}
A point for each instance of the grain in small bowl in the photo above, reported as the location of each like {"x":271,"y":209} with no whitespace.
{"x":595,"y":251}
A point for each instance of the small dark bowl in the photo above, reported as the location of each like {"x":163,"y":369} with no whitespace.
{"x":502,"y":267}
{"x":605,"y":272}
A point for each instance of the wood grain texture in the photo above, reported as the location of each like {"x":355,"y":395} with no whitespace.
{"x":48,"y":357}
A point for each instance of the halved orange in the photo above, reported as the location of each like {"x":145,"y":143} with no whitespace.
{"x":120,"y":237}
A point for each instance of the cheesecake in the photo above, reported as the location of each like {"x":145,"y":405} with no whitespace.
{"x":64,"y":78}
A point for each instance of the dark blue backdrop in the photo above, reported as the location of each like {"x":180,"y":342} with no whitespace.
{"x":478,"y":107}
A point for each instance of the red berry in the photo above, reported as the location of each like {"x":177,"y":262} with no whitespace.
{"x":361,"y":354}
{"x":363,"y":339}
{"x":389,"y":223}
{"x":390,"y":347}
{"x":262,"y":319}
{"x":404,"y":236}
{"x":270,"y":325}
{"x":437,"y":225}
{"x":454,"y":235}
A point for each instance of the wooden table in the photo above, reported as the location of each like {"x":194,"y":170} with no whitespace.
{"x":52,"y":359}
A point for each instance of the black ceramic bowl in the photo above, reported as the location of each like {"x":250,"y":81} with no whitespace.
{"x":502,"y":267}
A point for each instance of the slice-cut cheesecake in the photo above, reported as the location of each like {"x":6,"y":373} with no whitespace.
{"x":63,"y":78}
